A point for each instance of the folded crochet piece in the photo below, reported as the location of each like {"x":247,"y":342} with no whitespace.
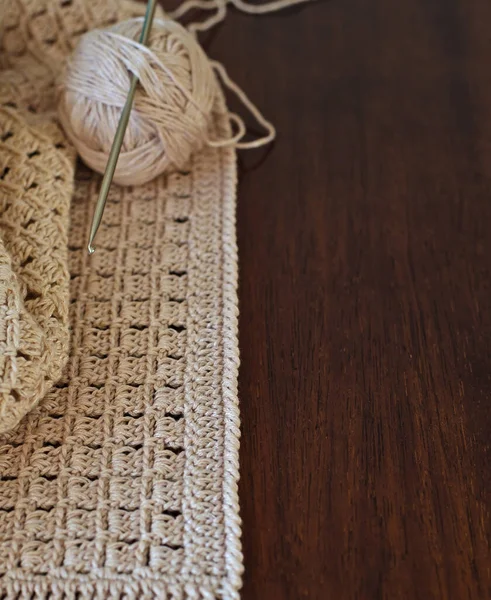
{"x":118,"y":407}
{"x":36,"y":183}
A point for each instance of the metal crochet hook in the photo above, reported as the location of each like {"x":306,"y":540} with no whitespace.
{"x":119,"y":136}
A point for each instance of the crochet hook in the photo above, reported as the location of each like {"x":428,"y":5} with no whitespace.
{"x":119,"y":136}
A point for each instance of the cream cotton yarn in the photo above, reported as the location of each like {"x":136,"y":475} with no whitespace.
{"x":175,"y":101}
{"x":173,"y":104}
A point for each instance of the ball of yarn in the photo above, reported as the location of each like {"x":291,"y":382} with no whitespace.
{"x":173,"y":103}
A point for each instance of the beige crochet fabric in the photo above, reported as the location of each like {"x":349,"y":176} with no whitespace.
{"x":122,"y":481}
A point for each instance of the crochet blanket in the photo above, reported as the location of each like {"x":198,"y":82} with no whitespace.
{"x":118,"y":372}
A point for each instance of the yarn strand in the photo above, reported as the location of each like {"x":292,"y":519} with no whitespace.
{"x":241,"y":95}
{"x":268,"y":7}
{"x":220,"y":6}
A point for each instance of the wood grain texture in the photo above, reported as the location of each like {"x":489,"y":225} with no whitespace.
{"x":365,"y":251}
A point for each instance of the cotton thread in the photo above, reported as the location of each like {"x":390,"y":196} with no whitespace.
{"x":175,"y":101}
{"x":172,"y":107}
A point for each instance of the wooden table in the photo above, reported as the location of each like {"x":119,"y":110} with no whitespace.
{"x":365,"y":328}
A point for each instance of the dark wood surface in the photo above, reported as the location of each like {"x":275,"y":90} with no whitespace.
{"x":365,"y":255}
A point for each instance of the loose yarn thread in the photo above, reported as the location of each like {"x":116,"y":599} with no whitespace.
{"x":174,"y":102}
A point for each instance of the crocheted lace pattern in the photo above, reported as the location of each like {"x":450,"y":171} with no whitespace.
{"x":121,"y":481}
